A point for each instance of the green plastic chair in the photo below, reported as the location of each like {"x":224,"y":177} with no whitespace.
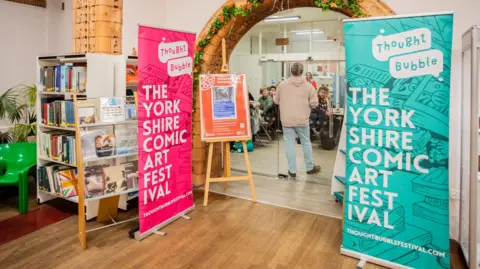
{"x":15,"y":162}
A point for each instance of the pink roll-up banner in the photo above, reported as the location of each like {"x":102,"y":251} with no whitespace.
{"x":165,"y":89}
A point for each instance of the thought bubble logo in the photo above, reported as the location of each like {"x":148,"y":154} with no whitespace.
{"x":384,"y":47}
{"x":180,"y":66}
{"x":173,"y":50}
{"x":428,"y":62}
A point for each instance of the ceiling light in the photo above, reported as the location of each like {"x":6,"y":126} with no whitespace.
{"x":291,"y":18}
{"x":307,"y":33}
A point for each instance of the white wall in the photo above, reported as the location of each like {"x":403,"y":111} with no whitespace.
{"x":59,"y":27}
{"x":190,"y":15}
{"x":145,"y":12}
{"x":24,"y":36}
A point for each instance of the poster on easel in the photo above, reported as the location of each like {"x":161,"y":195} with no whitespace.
{"x":224,"y":107}
{"x":396,"y":206}
{"x":165,"y":88}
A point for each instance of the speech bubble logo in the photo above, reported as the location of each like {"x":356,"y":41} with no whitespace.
{"x":180,"y":66}
{"x":423,"y":63}
{"x":173,"y":50}
{"x":384,"y":47}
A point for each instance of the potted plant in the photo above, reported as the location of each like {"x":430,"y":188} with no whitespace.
{"x":17,"y":105}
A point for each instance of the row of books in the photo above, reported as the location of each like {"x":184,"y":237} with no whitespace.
{"x":105,"y":179}
{"x":95,"y":144}
{"x":60,"y":113}
{"x":102,"y":143}
{"x":58,"y":180}
{"x":63,"y":78}
{"x":58,"y":147}
{"x":99,"y":179}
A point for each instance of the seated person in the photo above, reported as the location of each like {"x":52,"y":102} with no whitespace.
{"x":266,"y":102}
{"x":272,"y":90}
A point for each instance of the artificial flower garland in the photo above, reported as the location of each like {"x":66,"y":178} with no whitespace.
{"x":231,"y":11}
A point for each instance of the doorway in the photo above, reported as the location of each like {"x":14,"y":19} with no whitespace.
{"x":313,"y":41}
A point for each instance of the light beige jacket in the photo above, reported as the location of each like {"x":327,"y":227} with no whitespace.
{"x":295,"y":98}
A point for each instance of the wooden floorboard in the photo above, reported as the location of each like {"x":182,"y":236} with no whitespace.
{"x":229,"y":233}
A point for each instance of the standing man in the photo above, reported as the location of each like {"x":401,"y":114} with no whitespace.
{"x":296,"y":97}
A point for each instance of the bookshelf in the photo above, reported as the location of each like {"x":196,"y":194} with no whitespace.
{"x":106,"y":76}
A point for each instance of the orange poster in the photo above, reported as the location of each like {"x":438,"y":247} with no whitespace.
{"x":224,"y":107}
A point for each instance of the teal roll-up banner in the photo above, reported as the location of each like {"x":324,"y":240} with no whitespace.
{"x":398,"y":100}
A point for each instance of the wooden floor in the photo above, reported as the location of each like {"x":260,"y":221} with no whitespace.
{"x":9,"y":200}
{"x":270,"y":159}
{"x":299,"y":195}
{"x":229,"y":233}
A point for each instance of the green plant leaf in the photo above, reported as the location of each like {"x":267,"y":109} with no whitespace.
{"x":9,"y":106}
{"x":22,"y":131}
{"x":6,"y":137}
{"x":30,"y":92}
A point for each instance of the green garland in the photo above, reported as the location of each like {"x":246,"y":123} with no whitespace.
{"x":231,"y":11}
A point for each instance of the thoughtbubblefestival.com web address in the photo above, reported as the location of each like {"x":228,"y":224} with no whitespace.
{"x":397,"y":243}
{"x":174,"y":200}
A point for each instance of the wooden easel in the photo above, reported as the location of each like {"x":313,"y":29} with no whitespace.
{"x":227,"y":170}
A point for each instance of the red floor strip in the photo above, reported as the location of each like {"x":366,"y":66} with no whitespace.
{"x":21,"y":225}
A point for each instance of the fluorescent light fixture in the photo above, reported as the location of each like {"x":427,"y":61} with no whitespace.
{"x":273,"y":19}
{"x":325,"y":40}
{"x":307,"y":33}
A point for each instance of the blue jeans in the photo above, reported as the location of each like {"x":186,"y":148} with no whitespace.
{"x":303,"y":133}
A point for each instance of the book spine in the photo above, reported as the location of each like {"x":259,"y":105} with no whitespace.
{"x":64,"y":80}
{"x":58,"y":113}
{"x":74,"y":78}
{"x":72,"y":114}
{"x":64,"y":149}
{"x":45,"y":114}
{"x":69,"y":81}
{"x":43,"y":72}
{"x":58,"y":78}
{"x":82,"y":78}
{"x":49,"y":79}
{"x":63,"y":115}
{"x":50,"y":114}
{"x":54,"y":109}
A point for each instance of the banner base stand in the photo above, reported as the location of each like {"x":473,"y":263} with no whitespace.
{"x":361,"y":263}
{"x":155,"y":230}
{"x":366,"y":258}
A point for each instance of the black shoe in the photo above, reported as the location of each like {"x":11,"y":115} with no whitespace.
{"x":315,"y":169}
{"x":292,"y":175}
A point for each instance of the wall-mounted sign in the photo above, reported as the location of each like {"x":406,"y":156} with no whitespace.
{"x":281,"y":41}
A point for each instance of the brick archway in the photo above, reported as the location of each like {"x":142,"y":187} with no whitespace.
{"x":233,"y":33}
